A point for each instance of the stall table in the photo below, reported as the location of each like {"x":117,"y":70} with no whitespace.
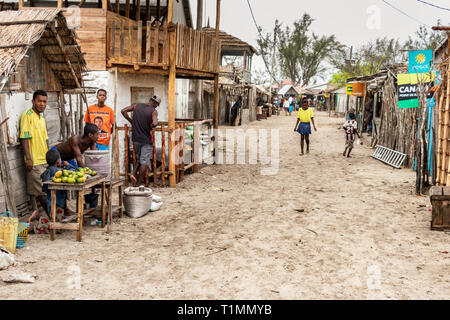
{"x":80,"y":188}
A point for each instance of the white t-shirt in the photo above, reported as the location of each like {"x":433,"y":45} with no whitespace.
{"x":286,"y":104}
{"x":350,"y":126}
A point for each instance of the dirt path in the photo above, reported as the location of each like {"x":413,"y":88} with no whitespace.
{"x":232,"y":233}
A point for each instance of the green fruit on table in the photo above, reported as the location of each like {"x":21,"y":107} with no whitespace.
{"x":93,"y":173}
{"x":64,"y":179}
{"x":80,"y":174}
{"x":71,"y":180}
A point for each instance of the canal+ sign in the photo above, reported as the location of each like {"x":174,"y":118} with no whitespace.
{"x":420,"y":61}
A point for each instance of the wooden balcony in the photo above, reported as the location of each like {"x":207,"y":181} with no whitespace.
{"x":130,"y":44}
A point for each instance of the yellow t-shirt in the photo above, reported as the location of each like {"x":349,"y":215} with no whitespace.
{"x":32,"y":127}
{"x":305,"y":115}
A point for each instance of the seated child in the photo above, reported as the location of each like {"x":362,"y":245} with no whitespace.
{"x":351,"y":128}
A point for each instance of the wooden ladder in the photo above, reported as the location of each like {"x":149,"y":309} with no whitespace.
{"x":389,"y":156}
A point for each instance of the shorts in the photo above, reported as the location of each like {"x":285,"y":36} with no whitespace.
{"x":349,"y":142}
{"x":304,"y":128}
{"x":34,"y":181}
{"x":144,"y":153}
{"x":102,"y":147}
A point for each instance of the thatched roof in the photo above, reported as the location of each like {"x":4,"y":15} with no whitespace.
{"x":229,"y":42}
{"x":23,"y":29}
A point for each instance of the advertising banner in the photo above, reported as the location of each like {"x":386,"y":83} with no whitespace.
{"x":407,"y":86}
{"x":420,"y":61}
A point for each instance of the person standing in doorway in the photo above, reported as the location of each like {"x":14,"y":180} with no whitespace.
{"x":145,"y":117}
{"x":103,"y":117}
{"x":34,"y":140}
{"x":305,"y":116}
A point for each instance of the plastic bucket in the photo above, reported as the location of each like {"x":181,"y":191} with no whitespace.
{"x":98,"y":160}
{"x":22,"y":234}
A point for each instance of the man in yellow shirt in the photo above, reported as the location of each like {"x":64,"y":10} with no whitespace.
{"x":34,"y":139}
{"x":305,"y":116}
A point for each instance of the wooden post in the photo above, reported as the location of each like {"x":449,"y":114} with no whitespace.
{"x":118,"y":6}
{"x":170,"y":11}
{"x":52,"y":212}
{"x":21,"y":4}
{"x":105,"y":4}
{"x":138,"y":10}
{"x":4,"y":163}
{"x":80,"y":204}
{"x":196,"y":147}
{"x":127,"y":9}
{"x":163,"y":156}
{"x":126,"y":160}
{"x":103,"y":208}
{"x":59,"y":4}
{"x":147,"y":10}
{"x":115,"y":147}
{"x":198,"y":83}
{"x":216,"y":77}
{"x":171,"y":104}
{"x":155,"y":177}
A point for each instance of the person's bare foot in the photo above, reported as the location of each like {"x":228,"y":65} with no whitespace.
{"x":35,"y":215}
{"x":302,"y":154}
{"x":343,"y":154}
{"x":133,"y":180}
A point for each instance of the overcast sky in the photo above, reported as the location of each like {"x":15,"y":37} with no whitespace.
{"x":352,"y":21}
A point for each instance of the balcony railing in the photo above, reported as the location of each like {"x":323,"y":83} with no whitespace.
{"x":131,"y":43}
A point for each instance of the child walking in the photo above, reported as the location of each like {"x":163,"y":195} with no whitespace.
{"x":351,"y":128}
{"x":305,"y":116}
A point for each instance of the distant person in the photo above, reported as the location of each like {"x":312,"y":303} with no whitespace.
{"x":102,"y":116}
{"x":286,"y":106}
{"x":235,"y":109}
{"x":34,"y":139}
{"x":351,"y":129}
{"x":145,"y":117}
{"x":305,"y":116}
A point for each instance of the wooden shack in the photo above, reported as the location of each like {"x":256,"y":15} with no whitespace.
{"x":140,"y":49}
{"x":37,"y":51}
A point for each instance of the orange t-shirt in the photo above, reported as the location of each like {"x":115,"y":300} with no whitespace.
{"x":103,"y":118}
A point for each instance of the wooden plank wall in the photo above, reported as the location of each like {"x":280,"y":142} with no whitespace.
{"x":92,"y":37}
{"x":131,"y":42}
{"x":196,"y":50}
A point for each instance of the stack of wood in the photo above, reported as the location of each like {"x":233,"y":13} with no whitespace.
{"x":398,"y":129}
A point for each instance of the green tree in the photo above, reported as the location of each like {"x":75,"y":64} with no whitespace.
{"x":302,"y":54}
{"x":266,"y":42}
{"x":425,"y":39}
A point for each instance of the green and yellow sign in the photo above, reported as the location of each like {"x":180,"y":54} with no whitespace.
{"x":407,"y":87}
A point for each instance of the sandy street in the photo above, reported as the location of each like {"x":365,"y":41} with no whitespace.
{"x":323,"y":227}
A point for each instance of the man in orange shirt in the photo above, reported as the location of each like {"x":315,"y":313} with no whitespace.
{"x":103,"y":116}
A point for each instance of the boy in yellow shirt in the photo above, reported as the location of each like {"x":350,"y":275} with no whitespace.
{"x":305,"y":116}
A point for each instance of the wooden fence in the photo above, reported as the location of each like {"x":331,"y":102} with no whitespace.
{"x":159,"y":133}
{"x":131,"y":43}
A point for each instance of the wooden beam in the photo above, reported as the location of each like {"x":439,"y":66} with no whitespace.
{"x":216,"y":78}
{"x":170,"y":11}
{"x":118,"y":6}
{"x":105,"y":4}
{"x":138,"y":10}
{"x":21,"y":2}
{"x":59,"y":4}
{"x":63,"y":50}
{"x":127,"y":9}
{"x":81,"y":3}
{"x":171,"y":103}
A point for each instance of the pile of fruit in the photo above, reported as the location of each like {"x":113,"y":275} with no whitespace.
{"x":69,"y":176}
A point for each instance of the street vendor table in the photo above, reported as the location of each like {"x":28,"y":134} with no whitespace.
{"x":80,"y":188}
